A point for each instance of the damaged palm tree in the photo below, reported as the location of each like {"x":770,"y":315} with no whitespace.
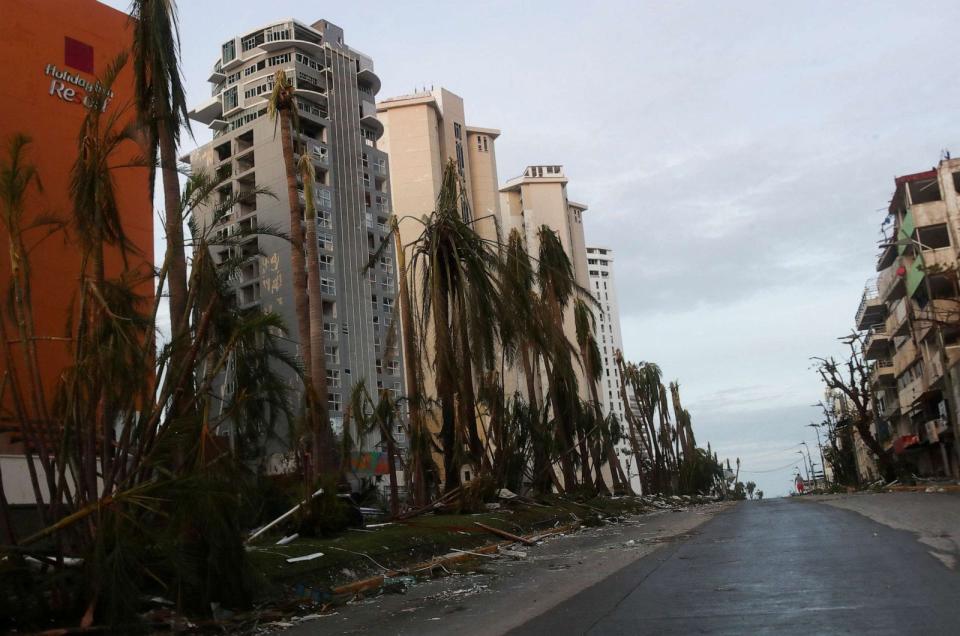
{"x":456,"y":271}
{"x":141,"y":495}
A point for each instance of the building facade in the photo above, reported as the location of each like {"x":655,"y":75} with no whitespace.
{"x":335,"y":88}
{"x":54,"y":51}
{"x":422,"y":132}
{"x":539,"y":197}
{"x":910,"y":318}
{"x":606,"y":311}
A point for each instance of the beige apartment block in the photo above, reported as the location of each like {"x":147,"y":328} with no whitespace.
{"x":911,"y":318}
{"x":539,"y":197}
{"x":424,"y":131}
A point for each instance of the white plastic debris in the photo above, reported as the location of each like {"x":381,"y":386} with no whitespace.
{"x":286,"y":540}
{"x":306,"y":557}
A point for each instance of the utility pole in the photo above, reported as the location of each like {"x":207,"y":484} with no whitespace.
{"x":813,"y":473}
{"x":804,"y":463}
{"x":823,"y":461}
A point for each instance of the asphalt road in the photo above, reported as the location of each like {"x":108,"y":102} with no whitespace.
{"x":773,"y":567}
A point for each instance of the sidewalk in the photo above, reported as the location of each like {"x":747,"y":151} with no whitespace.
{"x":933,"y":517}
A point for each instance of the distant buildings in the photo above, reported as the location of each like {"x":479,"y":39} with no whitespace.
{"x":352,"y":141}
{"x":335,"y":89}
{"x":910,"y":317}
{"x":607,"y":314}
{"x":536,"y":198}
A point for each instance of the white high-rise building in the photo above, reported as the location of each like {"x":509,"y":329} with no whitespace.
{"x":607,"y":314}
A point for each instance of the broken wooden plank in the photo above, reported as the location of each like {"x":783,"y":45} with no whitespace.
{"x":504,"y":534}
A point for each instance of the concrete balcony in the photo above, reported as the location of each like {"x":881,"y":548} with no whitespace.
{"x":207,"y":111}
{"x":368,"y":78}
{"x":881,"y":374}
{"x":871,"y":311}
{"x":931,"y":213}
{"x":897,"y":323}
{"x":891,"y":407}
{"x":942,"y":311}
{"x":877,"y":344}
{"x":904,"y":357}
{"x":910,"y":393}
{"x":886,"y":277}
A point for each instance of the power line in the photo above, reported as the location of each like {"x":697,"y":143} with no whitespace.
{"x":770,"y":470}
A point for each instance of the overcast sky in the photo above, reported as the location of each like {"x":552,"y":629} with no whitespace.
{"x":734,"y":155}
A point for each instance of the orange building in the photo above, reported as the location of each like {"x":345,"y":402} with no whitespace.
{"x":52,"y":52}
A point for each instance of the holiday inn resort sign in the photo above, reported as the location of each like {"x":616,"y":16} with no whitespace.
{"x":72,"y":86}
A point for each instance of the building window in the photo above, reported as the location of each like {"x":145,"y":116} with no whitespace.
{"x":328,"y":286}
{"x":333,"y":378}
{"x":230,"y":99}
{"x":393,"y":367}
{"x":253,"y":68}
{"x":325,"y":240}
{"x":229,"y":51}
{"x":388,"y":306}
{"x":334,"y":401}
{"x":330,"y":331}
{"x":326,"y":200}
{"x":278,"y":59}
{"x":379,"y":365}
{"x":332,"y":353}
{"x":457,"y":131}
{"x":326,"y":262}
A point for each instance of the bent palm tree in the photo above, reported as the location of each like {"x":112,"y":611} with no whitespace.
{"x":282,"y":107}
{"x":162,"y":106}
{"x":323,"y":435}
{"x":460,"y":298}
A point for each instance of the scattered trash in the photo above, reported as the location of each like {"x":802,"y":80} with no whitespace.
{"x":630,"y":543}
{"x":492,"y":506}
{"x":397,"y":584}
{"x":286,"y":540}
{"x":503,"y":493}
{"x":516,"y":554}
{"x":306,"y":557}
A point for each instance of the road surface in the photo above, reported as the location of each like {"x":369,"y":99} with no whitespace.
{"x":775,"y":567}
{"x":871,"y":564}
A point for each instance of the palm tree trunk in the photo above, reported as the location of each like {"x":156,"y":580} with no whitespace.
{"x":173,"y":226}
{"x":299,"y":271}
{"x":563,"y":431}
{"x":411,"y":369}
{"x":446,"y":381}
{"x":324,"y":451}
{"x":541,"y":460}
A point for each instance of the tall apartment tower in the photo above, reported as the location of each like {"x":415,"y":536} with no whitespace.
{"x":422,"y":132}
{"x":607,"y":315}
{"x":539,"y":197}
{"x":335,"y":87}
{"x":908,"y":314}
